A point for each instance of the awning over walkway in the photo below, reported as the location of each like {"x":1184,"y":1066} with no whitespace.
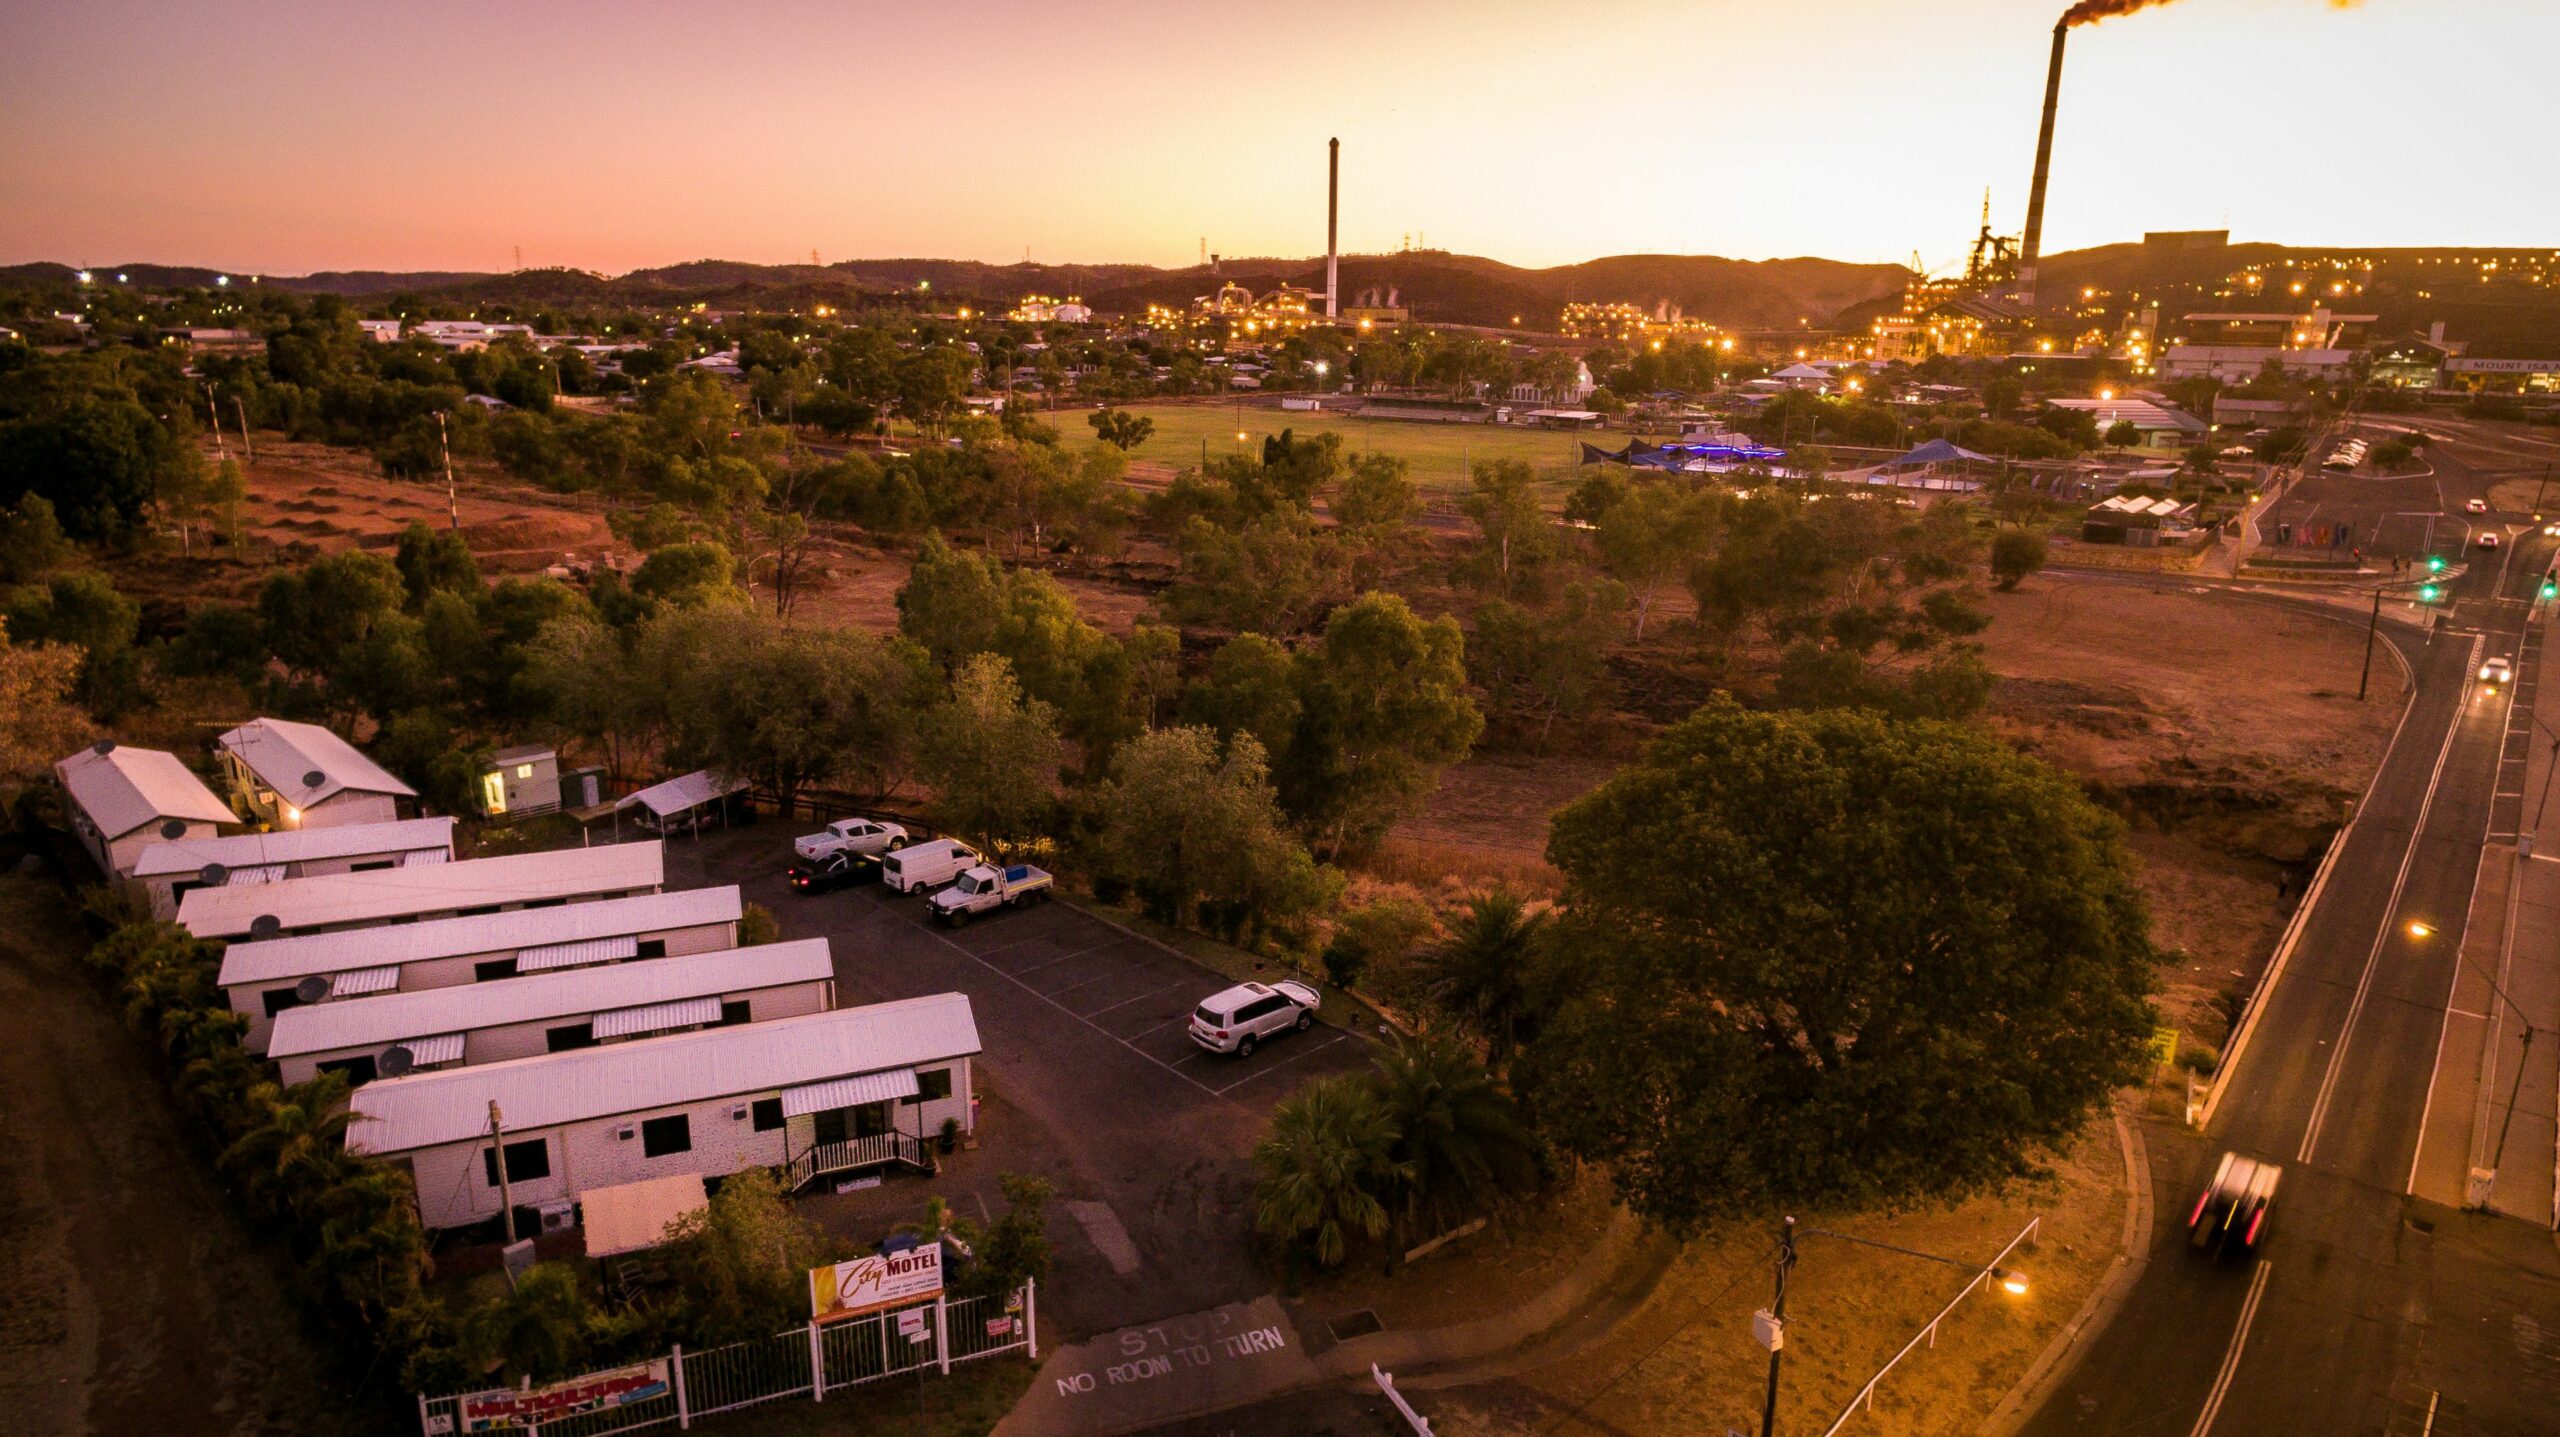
{"x":658,"y":1017}
{"x":849,"y":1092}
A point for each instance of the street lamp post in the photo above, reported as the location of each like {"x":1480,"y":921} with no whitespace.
{"x":1771,"y":1324}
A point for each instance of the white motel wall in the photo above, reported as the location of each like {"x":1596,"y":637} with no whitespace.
{"x":593,"y":1111}
{"x":499,"y":1021}
{"x":260,"y":978}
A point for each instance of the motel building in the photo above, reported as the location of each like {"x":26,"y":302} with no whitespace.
{"x":300,"y":775}
{"x":474,"y":1023}
{"x":265,"y":978}
{"x":855,"y":1088}
{"x":123,"y":800}
{"x":167,"y":872}
{"x":335,"y":901}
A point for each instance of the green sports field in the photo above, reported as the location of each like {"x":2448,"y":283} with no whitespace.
{"x":1438,"y":453}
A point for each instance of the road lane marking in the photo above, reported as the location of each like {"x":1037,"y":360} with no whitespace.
{"x":2390,"y":924}
{"x":2231,"y":1359}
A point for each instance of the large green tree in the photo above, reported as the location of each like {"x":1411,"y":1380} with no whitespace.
{"x":1827,"y":960}
{"x":1193,"y":824}
{"x":1383,"y":708}
{"x":990,"y":754}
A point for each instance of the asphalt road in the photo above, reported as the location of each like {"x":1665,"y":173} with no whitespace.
{"x":2367,"y":1310}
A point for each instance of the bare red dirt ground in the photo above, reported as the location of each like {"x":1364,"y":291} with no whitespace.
{"x":334,"y":499}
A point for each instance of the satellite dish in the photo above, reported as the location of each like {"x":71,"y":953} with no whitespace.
{"x":314,"y":989}
{"x":213,"y":875}
{"x":173,"y":828}
{"x":314,"y":779}
{"x":103,"y":747}
{"x":265,"y":925}
{"x":396,"y":1059}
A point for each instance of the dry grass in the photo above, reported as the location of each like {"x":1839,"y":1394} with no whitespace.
{"x":1686,"y":1362}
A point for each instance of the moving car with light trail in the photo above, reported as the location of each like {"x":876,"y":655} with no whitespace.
{"x":1237,"y":1020}
{"x":987,"y":887}
{"x":2230,"y":1216}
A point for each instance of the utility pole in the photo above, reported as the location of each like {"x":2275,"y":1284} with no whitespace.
{"x":2371,"y":629}
{"x":247,"y":445}
{"x":1774,"y":1334}
{"x":506,"y":1196}
{"x":452,"y":505}
{"x":213,"y":411}
{"x":2537,"y":493}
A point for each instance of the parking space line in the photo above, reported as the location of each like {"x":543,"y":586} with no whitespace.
{"x":1125,"y":1002}
{"x":1178,"y":1017}
{"x":1096,"y":978}
{"x":1061,"y":958}
{"x":1284,"y":1062}
{"x":1070,"y":1012}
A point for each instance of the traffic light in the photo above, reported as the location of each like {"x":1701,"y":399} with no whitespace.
{"x":2551,"y":588}
{"x":2429,"y":593}
{"x":2435,"y":563}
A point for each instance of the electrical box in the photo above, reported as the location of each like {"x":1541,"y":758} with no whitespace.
{"x":1769,"y":1330}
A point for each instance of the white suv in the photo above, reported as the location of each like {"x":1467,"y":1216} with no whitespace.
{"x":1238,"y":1019}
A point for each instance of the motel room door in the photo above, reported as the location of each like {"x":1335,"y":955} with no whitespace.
{"x":862,"y":1120}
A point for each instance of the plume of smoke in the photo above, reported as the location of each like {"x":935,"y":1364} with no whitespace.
{"x":2089,"y":12}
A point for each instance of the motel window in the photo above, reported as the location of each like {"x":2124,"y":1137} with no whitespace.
{"x":493,"y":968}
{"x":359,"y":1069}
{"x":575,"y":1035}
{"x":548,"y":903}
{"x":526,"y":1161}
{"x":279,"y":999}
{"x":768,"y":1114}
{"x":652,"y":948}
{"x":734,"y":1011}
{"x":661,"y":1136}
{"x":375,"y":866}
{"x":475,"y":912}
{"x":932,"y":1084}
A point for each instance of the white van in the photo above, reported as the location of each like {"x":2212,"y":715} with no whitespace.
{"x":923,"y":867}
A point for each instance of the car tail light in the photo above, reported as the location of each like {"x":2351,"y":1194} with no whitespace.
{"x":2250,"y":1238}
{"x":2198,"y":1215}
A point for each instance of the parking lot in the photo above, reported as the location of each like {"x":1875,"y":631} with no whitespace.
{"x":1146,"y":1136}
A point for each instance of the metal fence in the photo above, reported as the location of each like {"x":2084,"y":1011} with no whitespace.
{"x":807,"y":1362}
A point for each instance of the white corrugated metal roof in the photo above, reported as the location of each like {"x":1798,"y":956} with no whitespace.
{"x":357,"y":982}
{"x":428,"y":1109}
{"x":336,"y":899}
{"x":848,"y":1092}
{"x":285,"y":755}
{"x":427,"y":1052}
{"x":511,"y":932}
{"x":467,"y":1007}
{"x":296,"y":845}
{"x":577,"y":955}
{"x":679,"y":794}
{"x":657,"y":1017}
{"x":125,"y":788}
{"x":251,"y":877}
{"x":425,"y":858}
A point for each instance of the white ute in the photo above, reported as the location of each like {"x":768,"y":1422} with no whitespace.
{"x":987,"y":887}
{"x":1238,"y":1019}
{"x":850,"y":835}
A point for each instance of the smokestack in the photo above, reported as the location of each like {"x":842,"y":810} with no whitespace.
{"x":2032,"y":243}
{"x":1332,"y":214}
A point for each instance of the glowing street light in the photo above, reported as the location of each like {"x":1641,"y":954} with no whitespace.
{"x":2420,"y":930}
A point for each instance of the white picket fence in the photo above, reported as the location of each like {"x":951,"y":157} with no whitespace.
{"x":807,"y":1362}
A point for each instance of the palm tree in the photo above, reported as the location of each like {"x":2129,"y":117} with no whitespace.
{"x":1480,"y":974}
{"x":298,"y":1147}
{"x":1320,"y":1169}
{"x":1458,"y":1138}
{"x":372,"y":1249}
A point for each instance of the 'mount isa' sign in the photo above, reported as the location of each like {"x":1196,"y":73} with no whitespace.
{"x":868,"y":1284}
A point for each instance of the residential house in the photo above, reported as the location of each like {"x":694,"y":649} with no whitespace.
{"x":123,"y":800}
{"x":300,"y":775}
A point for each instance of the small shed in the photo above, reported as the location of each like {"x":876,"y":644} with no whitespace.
{"x":520,"y":781}
{"x":687,"y":802}
{"x":2133,"y":520}
{"x":123,"y":800}
{"x":633,"y":1216}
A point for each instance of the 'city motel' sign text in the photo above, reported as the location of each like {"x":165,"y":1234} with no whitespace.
{"x":868,"y":1284}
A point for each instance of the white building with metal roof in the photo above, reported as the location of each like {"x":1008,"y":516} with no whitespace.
{"x":122,"y":800}
{"x":300,"y":775}
{"x":556,"y":1012}
{"x":828,"y":1092}
{"x":167,"y":872}
{"x":265,"y":978}
{"x":434,"y":890}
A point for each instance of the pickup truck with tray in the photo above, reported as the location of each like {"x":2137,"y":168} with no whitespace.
{"x":987,"y":887}
{"x":850,"y":835}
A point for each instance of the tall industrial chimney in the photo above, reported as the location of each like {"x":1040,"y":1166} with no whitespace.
{"x":1332,"y":214}
{"x":2033,"y":241}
